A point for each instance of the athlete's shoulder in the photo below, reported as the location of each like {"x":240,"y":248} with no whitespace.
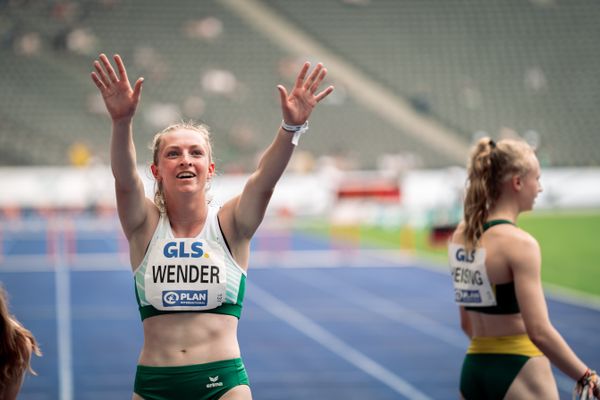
{"x":458,"y":236}
{"x":511,"y":233}
{"x":523,"y":251}
{"x":524,"y":238}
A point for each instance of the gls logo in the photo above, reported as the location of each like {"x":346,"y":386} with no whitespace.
{"x":462,"y":255}
{"x":178,"y":249}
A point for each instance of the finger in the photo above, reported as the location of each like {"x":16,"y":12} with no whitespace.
{"x":98,"y":82}
{"x":586,"y":393}
{"x":302,"y":74}
{"x":313,"y":76}
{"x":121,"y":67}
{"x":101,"y":74}
{"x":109,"y":69}
{"x":317,"y":83}
{"x":283,"y":94}
{"x":137,"y":89}
{"x":324,"y":93}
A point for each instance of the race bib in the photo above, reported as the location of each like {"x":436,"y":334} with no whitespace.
{"x":186,"y":275}
{"x":472,"y":286}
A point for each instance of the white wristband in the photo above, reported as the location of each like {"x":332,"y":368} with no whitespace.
{"x":297,"y":130}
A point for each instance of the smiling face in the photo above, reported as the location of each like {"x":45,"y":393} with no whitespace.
{"x":182,"y":161}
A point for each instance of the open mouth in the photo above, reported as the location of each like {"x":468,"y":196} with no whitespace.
{"x":186,"y":175}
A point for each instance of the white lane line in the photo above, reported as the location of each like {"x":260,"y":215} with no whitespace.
{"x":332,"y":343}
{"x":388,"y":309}
{"x":63,"y":317}
{"x":395,"y":312}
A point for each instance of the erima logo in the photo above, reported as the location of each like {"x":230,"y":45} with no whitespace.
{"x":173,"y":298}
{"x":213,"y":382}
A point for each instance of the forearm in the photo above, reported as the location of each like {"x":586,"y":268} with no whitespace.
{"x":122,"y":154}
{"x":552,"y":344}
{"x":274,"y":160}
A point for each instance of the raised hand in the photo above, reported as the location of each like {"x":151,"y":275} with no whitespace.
{"x":120,"y":99}
{"x":299,"y":103}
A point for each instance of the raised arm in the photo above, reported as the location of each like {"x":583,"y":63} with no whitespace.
{"x":526,"y":261}
{"x":248,"y":209}
{"x":121,"y":102}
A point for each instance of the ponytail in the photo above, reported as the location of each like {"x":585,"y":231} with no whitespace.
{"x":479,"y":190}
{"x":490,"y":165}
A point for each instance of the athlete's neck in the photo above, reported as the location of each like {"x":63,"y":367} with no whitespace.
{"x":504,"y":210}
{"x":188,"y":220}
{"x":503,"y":217}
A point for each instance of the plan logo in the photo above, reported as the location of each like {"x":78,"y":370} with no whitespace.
{"x":174,"y":298}
{"x":170,"y":298}
{"x":467,"y":296}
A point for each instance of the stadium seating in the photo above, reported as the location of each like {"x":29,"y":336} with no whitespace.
{"x":475,"y":67}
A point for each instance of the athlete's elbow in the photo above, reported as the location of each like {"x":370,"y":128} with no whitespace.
{"x":539,"y":334}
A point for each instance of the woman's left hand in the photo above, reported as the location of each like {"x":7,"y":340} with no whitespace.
{"x":297,"y":106}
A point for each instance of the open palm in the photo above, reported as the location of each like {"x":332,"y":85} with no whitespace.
{"x":297,"y":106}
{"x":120,"y":98}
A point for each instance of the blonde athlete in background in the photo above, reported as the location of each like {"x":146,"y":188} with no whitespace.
{"x":190,"y":258}
{"x":496,"y":271}
{"x":16,"y":346}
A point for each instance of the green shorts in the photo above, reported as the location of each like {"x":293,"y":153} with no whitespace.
{"x":492,"y":363}
{"x":194,"y":382}
{"x":488,"y":376}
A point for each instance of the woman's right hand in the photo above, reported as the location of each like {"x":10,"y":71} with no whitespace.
{"x":120,"y":99}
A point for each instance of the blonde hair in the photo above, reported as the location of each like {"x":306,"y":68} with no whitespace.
{"x":203,"y":130}
{"x":16,"y":345}
{"x":490,"y":165}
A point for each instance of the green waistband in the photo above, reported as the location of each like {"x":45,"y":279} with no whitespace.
{"x":226,"y":309}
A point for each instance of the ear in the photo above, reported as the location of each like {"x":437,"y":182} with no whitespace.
{"x":154,"y":170}
{"x":211,"y":170}
{"x":517,"y":183}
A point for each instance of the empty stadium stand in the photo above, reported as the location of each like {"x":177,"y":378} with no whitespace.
{"x":496,"y":67}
